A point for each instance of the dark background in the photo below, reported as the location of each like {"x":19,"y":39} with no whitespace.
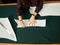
{"x":15,"y":1}
{"x":8,"y":1}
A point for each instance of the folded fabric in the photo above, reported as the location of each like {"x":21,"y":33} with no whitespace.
{"x":39,"y":23}
{"x":6,"y":31}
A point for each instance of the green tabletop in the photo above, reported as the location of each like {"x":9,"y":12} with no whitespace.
{"x":48,"y":34}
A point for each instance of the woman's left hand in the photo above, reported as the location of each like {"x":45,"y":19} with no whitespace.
{"x":32,"y":21}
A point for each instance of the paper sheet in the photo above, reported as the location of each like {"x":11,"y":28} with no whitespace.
{"x":50,"y":9}
{"x":6,"y":31}
{"x":39,"y":23}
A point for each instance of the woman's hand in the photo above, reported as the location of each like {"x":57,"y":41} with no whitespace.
{"x":32,"y":21}
{"x":22,"y":24}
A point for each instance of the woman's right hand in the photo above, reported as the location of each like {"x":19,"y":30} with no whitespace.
{"x":22,"y":24}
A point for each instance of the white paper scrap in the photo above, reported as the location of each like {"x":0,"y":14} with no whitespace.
{"x":6,"y":31}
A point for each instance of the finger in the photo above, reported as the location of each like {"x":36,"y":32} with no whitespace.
{"x":30,"y":24}
{"x":23,"y":26}
{"x":33,"y":24}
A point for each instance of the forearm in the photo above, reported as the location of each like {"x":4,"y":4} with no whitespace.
{"x":34,"y":14}
{"x":19,"y":6}
{"x":39,"y":6}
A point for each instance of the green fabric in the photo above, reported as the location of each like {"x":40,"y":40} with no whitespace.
{"x":48,"y":34}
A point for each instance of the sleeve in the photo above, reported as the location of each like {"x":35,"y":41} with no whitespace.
{"x":39,"y":6}
{"x":32,"y":3}
{"x":19,"y":6}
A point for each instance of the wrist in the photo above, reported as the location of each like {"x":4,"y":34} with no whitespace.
{"x":33,"y":16}
{"x":35,"y":13}
{"x":20,"y":18}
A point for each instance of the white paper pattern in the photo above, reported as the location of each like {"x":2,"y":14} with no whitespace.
{"x":40,"y":23}
{"x":6,"y":31}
